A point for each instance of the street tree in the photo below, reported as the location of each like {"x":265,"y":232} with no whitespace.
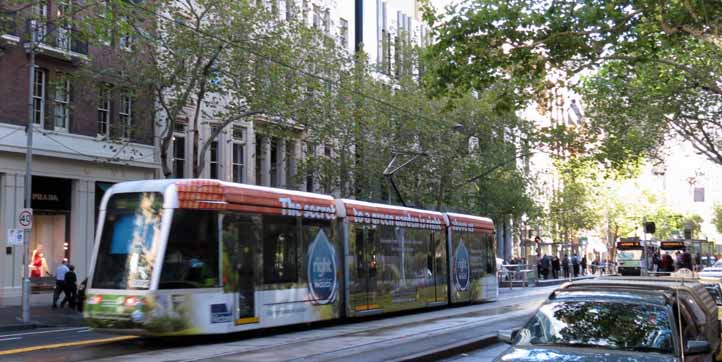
{"x":648,"y":68}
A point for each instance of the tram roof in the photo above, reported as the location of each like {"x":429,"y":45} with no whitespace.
{"x":220,"y":195}
{"x":382,"y":214}
{"x":469,"y":222}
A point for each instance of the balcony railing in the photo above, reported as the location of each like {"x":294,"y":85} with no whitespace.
{"x":54,"y":36}
{"x":8,"y":24}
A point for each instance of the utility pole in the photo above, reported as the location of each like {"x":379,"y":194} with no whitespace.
{"x":29,"y":172}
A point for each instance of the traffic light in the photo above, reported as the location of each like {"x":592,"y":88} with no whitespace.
{"x":687,"y":234}
{"x":650,"y":227}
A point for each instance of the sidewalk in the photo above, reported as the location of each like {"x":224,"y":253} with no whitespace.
{"x":41,"y":315}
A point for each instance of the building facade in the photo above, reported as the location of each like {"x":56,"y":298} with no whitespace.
{"x":87,"y":135}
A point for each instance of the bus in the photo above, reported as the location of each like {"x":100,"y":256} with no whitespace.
{"x":631,"y":256}
{"x":190,"y":257}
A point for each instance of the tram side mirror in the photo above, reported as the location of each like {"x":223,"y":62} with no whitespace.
{"x":697,"y":347}
{"x":506,"y":335}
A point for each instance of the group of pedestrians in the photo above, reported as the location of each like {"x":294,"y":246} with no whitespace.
{"x":66,"y":283}
{"x":552,"y":267}
{"x":667,"y":263}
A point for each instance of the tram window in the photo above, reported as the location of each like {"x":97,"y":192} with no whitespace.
{"x":280,"y":249}
{"x":191,"y":256}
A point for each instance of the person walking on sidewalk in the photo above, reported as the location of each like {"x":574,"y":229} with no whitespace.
{"x":584,"y":265}
{"x":575,"y":264}
{"x":70,"y":288}
{"x":555,"y":267}
{"x":59,"y":282}
{"x":565,"y":265}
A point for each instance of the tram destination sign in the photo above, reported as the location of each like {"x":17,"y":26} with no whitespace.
{"x":628,"y":244}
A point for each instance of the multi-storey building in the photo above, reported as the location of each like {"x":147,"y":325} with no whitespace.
{"x":87,"y":135}
{"x":241,"y":153}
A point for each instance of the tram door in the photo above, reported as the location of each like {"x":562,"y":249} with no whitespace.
{"x":241,"y":235}
{"x":368,"y":269}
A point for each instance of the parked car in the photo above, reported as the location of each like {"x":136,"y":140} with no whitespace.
{"x":714,"y":271}
{"x":618,"y":319}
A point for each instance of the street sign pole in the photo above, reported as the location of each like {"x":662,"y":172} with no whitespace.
{"x":28,"y":180}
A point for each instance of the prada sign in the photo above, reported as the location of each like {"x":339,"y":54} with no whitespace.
{"x":50,"y":193}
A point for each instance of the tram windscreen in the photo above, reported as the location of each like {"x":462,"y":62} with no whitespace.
{"x":128,"y":244}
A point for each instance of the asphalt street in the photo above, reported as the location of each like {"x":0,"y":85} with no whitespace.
{"x":372,"y":340}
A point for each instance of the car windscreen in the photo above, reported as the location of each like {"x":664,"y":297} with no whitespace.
{"x":614,"y":324}
{"x":129,"y":241}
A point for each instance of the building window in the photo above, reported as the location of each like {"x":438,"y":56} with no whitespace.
{"x":290,"y":9}
{"x":316,"y":16}
{"x":304,"y":11}
{"x":125,"y":40}
{"x":343,"y":33}
{"x":38,"y":24}
{"x":103,"y":109}
{"x":238,"y":145}
{"x":126,"y":114}
{"x":179,"y":151}
{"x":64,"y":12}
{"x":327,"y":21}
{"x":39,"y":80}
{"x":62,"y":103}
{"x":214,"y":164}
{"x":699,"y":194}
{"x":274,"y":162}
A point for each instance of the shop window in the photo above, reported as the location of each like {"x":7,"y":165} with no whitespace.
{"x":191,"y":256}
{"x":280,"y":246}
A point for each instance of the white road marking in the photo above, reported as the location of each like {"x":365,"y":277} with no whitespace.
{"x":10,"y":339}
{"x":84,"y":331}
{"x":44,"y":332}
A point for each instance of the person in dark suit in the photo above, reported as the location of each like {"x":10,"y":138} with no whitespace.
{"x":70,"y":288}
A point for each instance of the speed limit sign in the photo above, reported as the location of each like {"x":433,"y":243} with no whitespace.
{"x":25,"y":219}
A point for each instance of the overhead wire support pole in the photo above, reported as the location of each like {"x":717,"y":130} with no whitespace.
{"x":28,"y":173}
{"x":390,"y":171}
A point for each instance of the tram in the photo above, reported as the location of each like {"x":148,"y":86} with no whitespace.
{"x":189,"y":257}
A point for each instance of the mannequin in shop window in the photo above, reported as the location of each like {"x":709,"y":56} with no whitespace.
{"x":38,"y":264}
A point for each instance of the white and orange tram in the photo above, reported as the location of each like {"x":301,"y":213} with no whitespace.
{"x":177,"y":257}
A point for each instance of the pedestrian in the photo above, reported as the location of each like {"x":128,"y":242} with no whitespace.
{"x":565,"y":265}
{"x":686,"y":260}
{"x":60,"y":272}
{"x":575,"y":264}
{"x":677,"y":260}
{"x":81,"y":295}
{"x":546,"y":266}
{"x":555,"y":267}
{"x":583,"y":263}
{"x":70,"y":288}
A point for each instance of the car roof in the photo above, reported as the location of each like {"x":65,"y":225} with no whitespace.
{"x":649,"y":283}
{"x":620,"y":296}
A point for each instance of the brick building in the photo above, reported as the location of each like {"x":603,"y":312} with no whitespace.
{"x":88,"y":133}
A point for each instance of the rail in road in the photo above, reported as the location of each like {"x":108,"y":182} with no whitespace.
{"x":398,"y":338}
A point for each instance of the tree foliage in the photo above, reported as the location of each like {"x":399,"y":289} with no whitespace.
{"x":650,"y":68}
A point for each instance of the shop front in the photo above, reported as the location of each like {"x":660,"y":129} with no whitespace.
{"x":49,"y":240}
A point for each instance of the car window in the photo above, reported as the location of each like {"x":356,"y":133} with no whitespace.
{"x":714,"y":291}
{"x":601,"y":324}
{"x":717,"y":264}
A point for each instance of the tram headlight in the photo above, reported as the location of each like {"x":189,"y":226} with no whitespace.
{"x":96,"y":299}
{"x":132,"y":301}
